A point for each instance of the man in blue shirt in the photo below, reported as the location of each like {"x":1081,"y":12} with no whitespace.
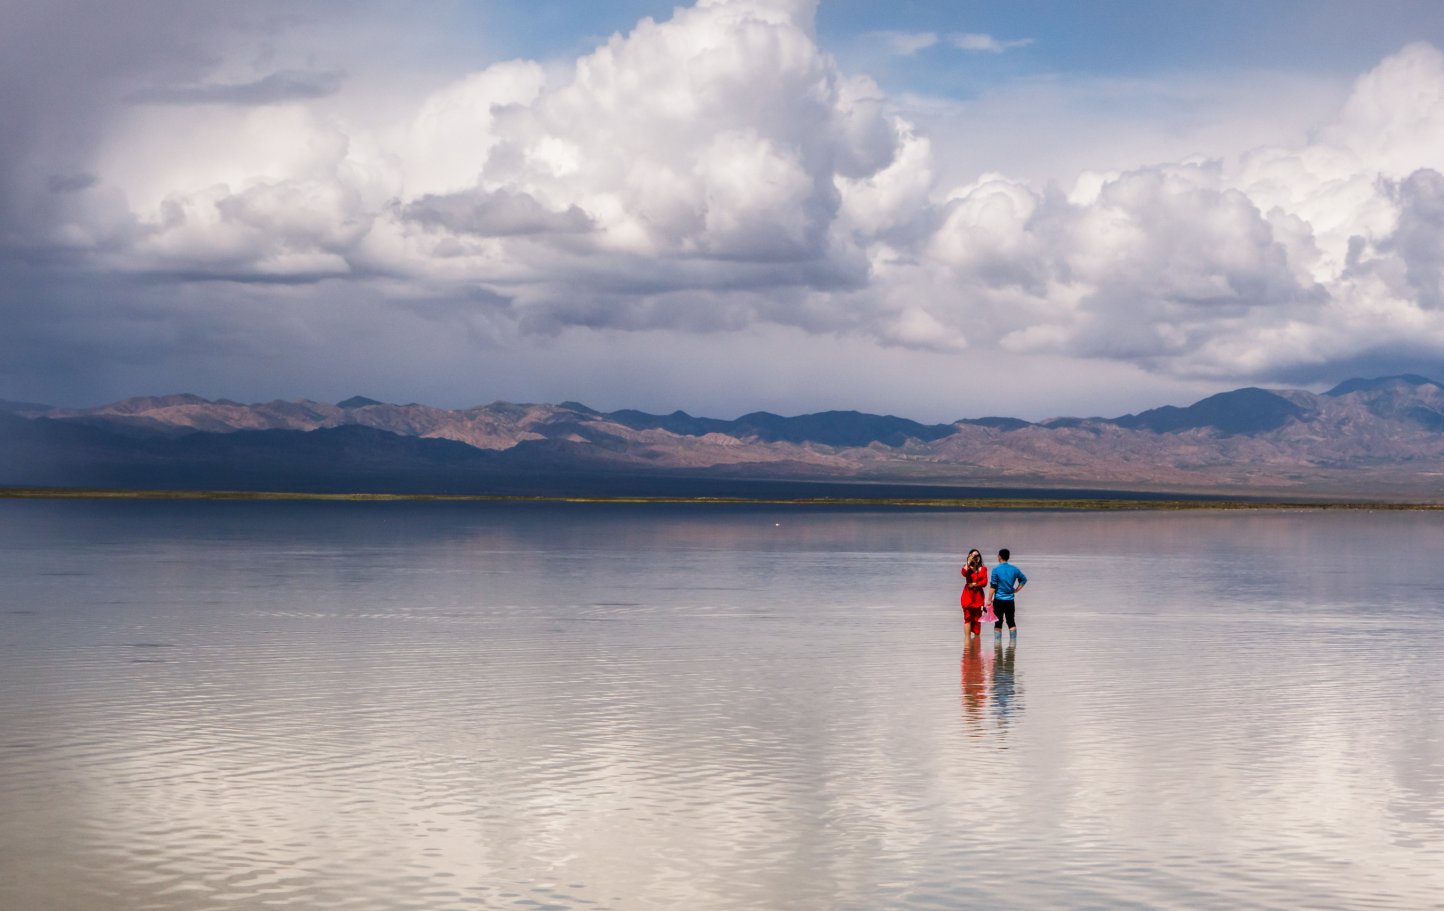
{"x":1007,"y":580}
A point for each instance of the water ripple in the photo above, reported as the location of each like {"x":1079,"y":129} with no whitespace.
{"x":492,"y":708}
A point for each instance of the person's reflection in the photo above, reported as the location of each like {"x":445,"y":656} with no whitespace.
{"x":975,"y":684}
{"x":1005,"y":681}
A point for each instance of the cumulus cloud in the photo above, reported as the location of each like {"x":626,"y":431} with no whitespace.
{"x":498,"y":214}
{"x":699,"y":154}
{"x":717,"y":171}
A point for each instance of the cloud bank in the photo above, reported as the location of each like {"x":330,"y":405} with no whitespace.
{"x":717,"y":171}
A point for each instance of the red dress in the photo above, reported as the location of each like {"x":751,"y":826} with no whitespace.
{"x":973,"y":600}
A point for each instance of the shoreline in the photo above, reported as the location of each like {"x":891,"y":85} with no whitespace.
{"x":996,"y":503}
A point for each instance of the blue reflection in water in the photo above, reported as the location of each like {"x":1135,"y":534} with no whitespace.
{"x":1005,"y":684}
{"x":991,"y":692}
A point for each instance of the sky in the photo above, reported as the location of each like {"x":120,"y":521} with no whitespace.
{"x":932,"y":209}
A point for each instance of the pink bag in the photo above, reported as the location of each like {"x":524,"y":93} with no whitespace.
{"x":988,"y":615}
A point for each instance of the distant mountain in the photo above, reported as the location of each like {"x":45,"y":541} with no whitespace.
{"x":1382,"y":435}
{"x":1250,"y":411}
{"x":83,"y":454}
{"x":830,"y":428}
{"x":357,"y":401}
{"x":10,"y":407}
{"x":356,"y":458}
{"x":1408,"y":399}
{"x":997,"y":423}
{"x":1361,"y":385}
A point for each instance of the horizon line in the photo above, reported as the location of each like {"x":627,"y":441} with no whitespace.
{"x":973,"y":503}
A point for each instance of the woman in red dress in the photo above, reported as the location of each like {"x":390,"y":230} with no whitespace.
{"x":975,"y":586}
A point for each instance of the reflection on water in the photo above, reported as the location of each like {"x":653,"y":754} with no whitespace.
{"x":440,"y":706}
{"x":990,"y":684}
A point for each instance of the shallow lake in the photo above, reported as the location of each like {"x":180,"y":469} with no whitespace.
{"x":237,"y":705}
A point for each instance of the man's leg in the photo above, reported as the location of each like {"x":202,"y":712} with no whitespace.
{"x":1004,"y":610}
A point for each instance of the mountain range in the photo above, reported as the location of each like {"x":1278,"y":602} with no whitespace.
{"x":1379,"y":438}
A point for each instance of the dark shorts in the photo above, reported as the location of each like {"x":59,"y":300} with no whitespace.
{"x":1004,"y":612}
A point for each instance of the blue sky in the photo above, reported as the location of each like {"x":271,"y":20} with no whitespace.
{"x":938,"y":210}
{"x":1128,"y":38}
{"x":1140,"y":38}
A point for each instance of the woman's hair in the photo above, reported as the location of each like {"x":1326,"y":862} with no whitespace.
{"x":974,"y":551}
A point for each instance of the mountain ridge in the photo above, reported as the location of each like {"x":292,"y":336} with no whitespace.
{"x":1384,"y":433}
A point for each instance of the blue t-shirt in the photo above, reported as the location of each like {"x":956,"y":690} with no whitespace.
{"x":1006,"y":578}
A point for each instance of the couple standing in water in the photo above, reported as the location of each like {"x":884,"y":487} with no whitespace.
{"x":997,"y":594}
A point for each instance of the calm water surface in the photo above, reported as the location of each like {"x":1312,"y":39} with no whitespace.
{"x":436,"y":706}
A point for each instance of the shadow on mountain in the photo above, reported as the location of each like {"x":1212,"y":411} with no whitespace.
{"x":830,"y":428}
{"x":1242,"y":411}
{"x":358,"y":459}
{"x":1359,"y":384}
{"x":8,"y":407}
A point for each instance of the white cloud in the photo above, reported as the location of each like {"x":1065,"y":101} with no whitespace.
{"x":908,"y":43}
{"x":717,"y":171}
{"x":973,"y":42}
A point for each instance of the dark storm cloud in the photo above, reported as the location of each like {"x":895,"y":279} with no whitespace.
{"x":287,"y":85}
{"x":67,"y":65}
{"x":70,"y":183}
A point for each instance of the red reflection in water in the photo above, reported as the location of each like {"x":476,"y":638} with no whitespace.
{"x":989,"y":683}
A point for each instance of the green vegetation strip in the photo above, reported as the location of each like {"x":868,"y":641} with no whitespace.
{"x":65,"y":493}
